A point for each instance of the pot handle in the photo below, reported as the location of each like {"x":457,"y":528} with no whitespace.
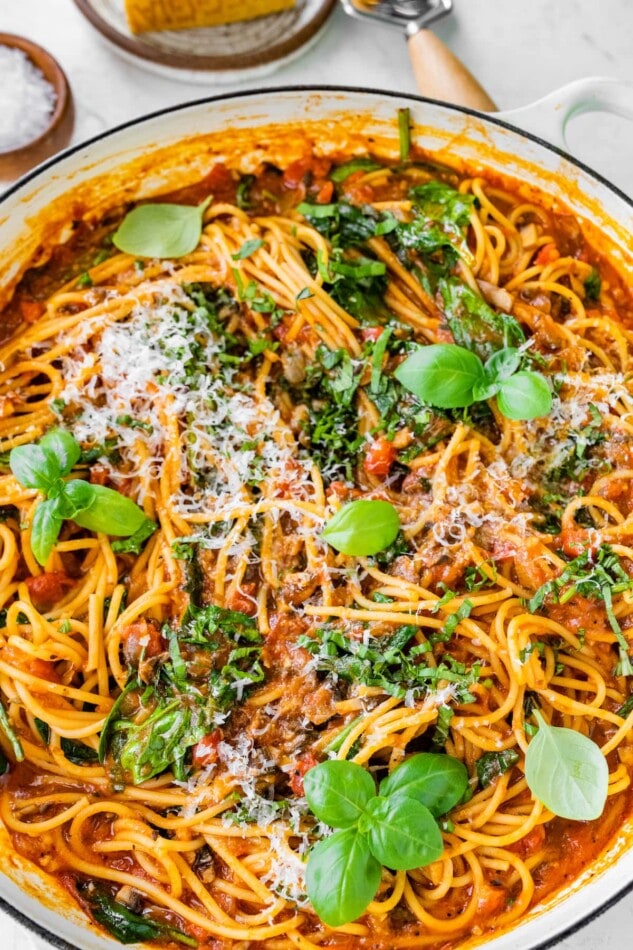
{"x":548,"y":117}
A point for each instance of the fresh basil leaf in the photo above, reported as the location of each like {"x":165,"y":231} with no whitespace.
{"x":110,"y":512}
{"x":402,"y":833}
{"x":161,"y":230}
{"x":337,"y":792}
{"x":78,"y":752}
{"x":567,"y":772}
{"x":135,"y":542}
{"x":248,"y":248}
{"x":342,"y":877}
{"x":503,"y":363}
{"x":63,"y":446}
{"x":493,"y":764}
{"x":525,"y":395}
{"x":45,"y":528}
{"x":442,"y":375}
{"x":11,"y":734}
{"x":473,"y":323}
{"x":78,"y":496}
{"x":128,"y":927}
{"x":362,"y":528}
{"x":341,"y":172}
{"x":485,"y":390}
{"x":436,"y":781}
{"x":162,"y":740}
{"x":34,"y":467}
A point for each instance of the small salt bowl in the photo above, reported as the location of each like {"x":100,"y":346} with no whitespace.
{"x":54,"y":126}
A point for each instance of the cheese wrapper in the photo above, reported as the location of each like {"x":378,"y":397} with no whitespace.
{"x":149,"y":15}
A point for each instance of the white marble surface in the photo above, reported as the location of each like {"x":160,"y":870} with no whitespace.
{"x":519,"y":50}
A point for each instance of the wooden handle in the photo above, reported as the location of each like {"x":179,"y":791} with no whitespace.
{"x":440,"y":75}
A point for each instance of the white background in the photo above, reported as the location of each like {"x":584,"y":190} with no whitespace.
{"x":518,"y":49}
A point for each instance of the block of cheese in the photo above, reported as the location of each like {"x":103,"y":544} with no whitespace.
{"x":148,"y":15}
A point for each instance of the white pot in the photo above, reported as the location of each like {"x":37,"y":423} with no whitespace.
{"x":146,"y":156}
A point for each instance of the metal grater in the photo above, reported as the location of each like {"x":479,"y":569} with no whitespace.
{"x":407,"y":15}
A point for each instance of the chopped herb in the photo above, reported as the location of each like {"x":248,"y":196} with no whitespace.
{"x":341,"y":172}
{"x":243,"y":191}
{"x":135,"y":542}
{"x":132,"y":423}
{"x":447,"y":631}
{"x":598,"y":576}
{"x":84,"y":280}
{"x":593,"y":285}
{"x":441,"y":216}
{"x":493,"y":764}
{"x":475,"y":577}
{"x":9,"y":731}
{"x":442,"y":727}
{"x":474,"y":324}
{"x":78,"y":752}
{"x":383,"y":662}
{"x":247,"y":249}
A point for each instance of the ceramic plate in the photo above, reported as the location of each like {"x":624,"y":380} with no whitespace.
{"x":238,"y":51}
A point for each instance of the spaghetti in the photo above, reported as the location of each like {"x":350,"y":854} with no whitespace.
{"x":167,"y":699}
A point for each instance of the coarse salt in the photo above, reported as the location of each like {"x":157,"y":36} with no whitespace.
{"x":27,"y":100}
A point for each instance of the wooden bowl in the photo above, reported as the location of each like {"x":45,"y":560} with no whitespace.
{"x":56,"y":136}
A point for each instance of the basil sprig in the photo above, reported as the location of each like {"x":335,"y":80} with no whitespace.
{"x":44,"y":466}
{"x":567,"y":772}
{"x":448,"y":376}
{"x":161,"y":230}
{"x":396,"y":828}
{"x":363,"y":527}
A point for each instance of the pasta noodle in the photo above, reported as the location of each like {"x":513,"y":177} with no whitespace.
{"x":240,"y":395}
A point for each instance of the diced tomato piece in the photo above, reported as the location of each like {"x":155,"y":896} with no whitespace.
{"x":220,"y":183}
{"x":575,"y":541}
{"x":139,"y":640}
{"x":547,"y":255}
{"x":358,"y":193}
{"x":303,"y":764}
{"x":99,"y":475}
{"x":295,"y":174}
{"x":502,"y":550}
{"x":325,"y":194}
{"x":379,"y":457}
{"x":43,"y":669}
{"x":371,"y":333}
{"x":243,"y":599}
{"x":320,"y":167}
{"x":205,"y":752}
{"x":31,"y":310}
{"x":46,"y":589}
